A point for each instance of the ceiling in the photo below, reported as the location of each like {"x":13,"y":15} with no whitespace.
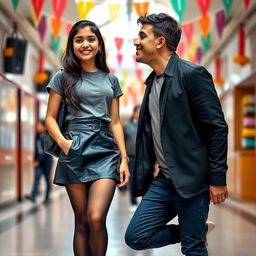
{"x":125,"y":25}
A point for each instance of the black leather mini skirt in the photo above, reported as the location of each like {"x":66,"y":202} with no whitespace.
{"x":93,"y":154}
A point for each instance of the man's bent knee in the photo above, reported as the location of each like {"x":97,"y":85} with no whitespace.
{"x":134,"y":242}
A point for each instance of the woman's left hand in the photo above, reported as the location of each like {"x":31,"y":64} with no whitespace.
{"x":124,"y":174}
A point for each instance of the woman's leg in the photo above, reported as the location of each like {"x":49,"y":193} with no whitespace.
{"x":78,"y":195}
{"x":100,"y":196}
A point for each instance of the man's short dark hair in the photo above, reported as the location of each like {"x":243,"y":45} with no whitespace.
{"x":163,"y":25}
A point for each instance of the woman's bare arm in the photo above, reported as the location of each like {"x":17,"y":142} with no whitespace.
{"x":117,"y":129}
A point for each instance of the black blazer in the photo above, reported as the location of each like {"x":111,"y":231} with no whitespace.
{"x":193,"y":131}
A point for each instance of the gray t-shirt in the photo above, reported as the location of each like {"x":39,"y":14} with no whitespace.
{"x":155,"y":123}
{"x":96,"y":91}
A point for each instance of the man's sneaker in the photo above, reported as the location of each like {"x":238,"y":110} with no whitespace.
{"x":209,"y":227}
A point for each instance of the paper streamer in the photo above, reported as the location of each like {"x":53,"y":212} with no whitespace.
{"x":114,"y":11}
{"x":15,"y":4}
{"x":56,"y":26}
{"x":125,"y":74}
{"x":246,"y":4}
{"x":204,"y":24}
{"x":139,"y":73}
{"x":119,"y":58}
{"x":181,"y":49}
{"x":220,"y":22}
{"x":37,"y":6}
{"x":199,"y":54}
{"x":141,"y":8}
{"x":241,"y":59}
{"x":42,"y":27}
{"x":119,"y":43}
{"x":84,"y":7}
{"x":179,"y":7}
{"x":68,"y":28}
{"x":203,"y":6}
{"x":188,"y":30}
{"x":134,"y":59}
{"x":55,"y":44}
{"x":59,"y":7}
{"x":206,"y":42}
{"x":228,"y":5}
{"x":218,"y":79}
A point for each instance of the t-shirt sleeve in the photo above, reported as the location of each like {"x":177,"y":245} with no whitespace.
{"x":116,"y":87}
{"x":55,"y":83}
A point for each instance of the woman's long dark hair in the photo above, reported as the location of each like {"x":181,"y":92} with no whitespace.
{"x":72,"y":64}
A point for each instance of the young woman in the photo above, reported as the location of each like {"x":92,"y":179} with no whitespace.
{"x":93,"y":157}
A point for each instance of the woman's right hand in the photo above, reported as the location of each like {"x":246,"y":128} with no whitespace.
{"x":65,"y":146}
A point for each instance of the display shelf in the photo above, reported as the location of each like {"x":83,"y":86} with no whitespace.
{"x":239,"y":108}
{"x":248,"y":130}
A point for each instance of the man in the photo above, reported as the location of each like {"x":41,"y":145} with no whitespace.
{"x":130,"y":131}
{"x":182,"y":128}
{"x":43,"y":164}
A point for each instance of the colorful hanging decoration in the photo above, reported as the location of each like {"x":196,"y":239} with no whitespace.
{"x":68,"y":28}
{"x":37,"y":6}
{"x":124,"y":98}
{"x":188,"y":30}
{"x":220,"y":22}
{"x":246,"y":4}
{"x":132,"y":91}
{"x":41,"y":77}
{"x":84,"y":7}
{"x":119,"y":58}
{"x":206,"y":42}
{"x":119,"y":43}
{"x":180,"y":49}
{"x":55,"y":44}
{"x":191,"y":58}
{"x":179,"y":7}
{"x":114,"y":11}
{"x":199,"y":54}
{"x":141,"y":8}
{"x":241,"y":59}
{"x":139,"y":73}
{"x":42,"y":27}
{"x":15,"y":4}
{"x":125,"y":74}
{"x":218,"y":79}
{"x":134,"y":60}
{"x":193,"y":47}
{"x":58,"y":7}
{"x":204,"y":24}
{"x":56,"y":26}
{"x":204,"y":6}
{"x":227,"y":5}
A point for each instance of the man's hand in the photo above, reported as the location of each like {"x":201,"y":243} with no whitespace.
{"x":218,"y":194}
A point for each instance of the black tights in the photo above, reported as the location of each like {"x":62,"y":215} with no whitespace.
{"x":90,"y":203}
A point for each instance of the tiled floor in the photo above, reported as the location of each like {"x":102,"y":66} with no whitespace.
{"x":47,"y":231}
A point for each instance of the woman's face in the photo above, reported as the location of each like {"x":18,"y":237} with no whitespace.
{"x":86,"y":44}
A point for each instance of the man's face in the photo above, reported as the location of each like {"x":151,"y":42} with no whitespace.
{"x":146,"y":50}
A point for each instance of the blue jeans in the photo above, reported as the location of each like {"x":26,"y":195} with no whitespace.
{"x":131,"y":163}
{"x":45,"y":170}
{"x":148,"y":227}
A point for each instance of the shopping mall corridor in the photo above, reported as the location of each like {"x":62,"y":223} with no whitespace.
{"x":46,"y":230}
